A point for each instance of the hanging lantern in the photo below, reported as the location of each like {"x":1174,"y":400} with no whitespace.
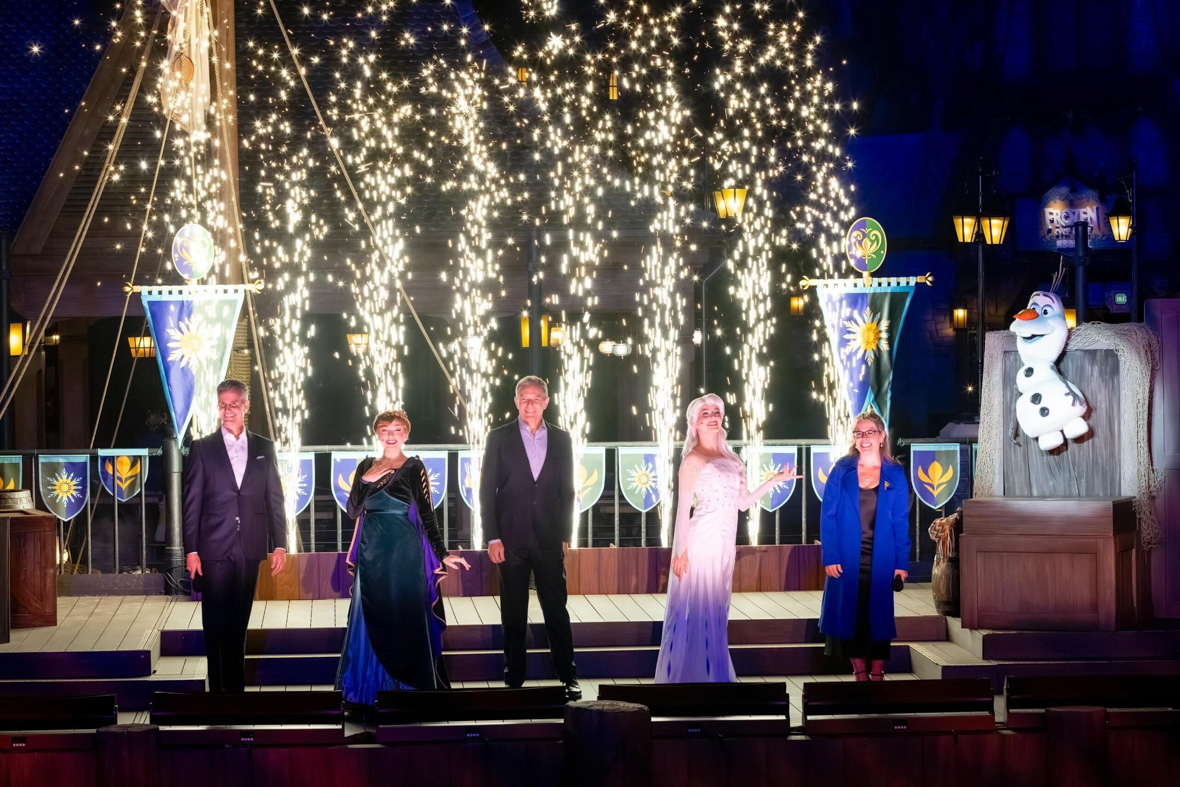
{"x":993,"y":223}
{"x":556,"y":334}
{"x":729,"y":203}
{"x":141,"y":346}
{"x":358,"y":343}
{"x":1120,"y":220}
{"x":522,"y":75}
{"x":797,"y":304}
{"x":965,"y":226}
{"x":16,"y":338}
{"x":613,"y":87}
{"x":959,"y":319}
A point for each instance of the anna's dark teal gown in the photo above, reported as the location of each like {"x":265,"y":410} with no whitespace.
{"x":396,"y":620}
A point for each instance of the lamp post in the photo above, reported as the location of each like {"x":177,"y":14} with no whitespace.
{"x":714,"y":267}
{"x":1081,"y":261}
{"x":981,"y":227}
{"x":1124,"y":227}
{"x":729,"y":204}
{"x":535,"y":311}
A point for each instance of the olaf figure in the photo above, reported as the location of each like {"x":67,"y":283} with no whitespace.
{"x":1050,"y":408}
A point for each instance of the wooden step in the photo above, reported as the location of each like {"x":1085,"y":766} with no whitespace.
{"x":278,"y":641}
{"x":997,"y":671}
{"x":130,"y":693}
{"x":1079,"y":645}
{"x":614,"y":662}
{"x":947,"y":660}
{"x":65,"y":665}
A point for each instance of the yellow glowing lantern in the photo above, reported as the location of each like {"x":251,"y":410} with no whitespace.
{"x":994,"y":226}
{"x":1120,"y":220}
{"x":16,"y":339}
{"x":358,"y":343}
{"x":524,"y":330}
{"x":965,"y":226}
{"x":729,"y":203}
{"x":556,"y":334}
{"x":141,"y":346}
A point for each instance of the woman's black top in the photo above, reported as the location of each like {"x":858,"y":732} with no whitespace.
{"x":868,"y":525}
{"x":410,"y":484}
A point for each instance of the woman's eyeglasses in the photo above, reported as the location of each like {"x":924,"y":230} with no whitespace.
{"x":866,"y":433}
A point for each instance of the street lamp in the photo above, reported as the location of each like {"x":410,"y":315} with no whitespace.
{"x":993,"y":225}
{"x":981,"y":227}
{"x":1125,"y":227}
{"x":965,"y":224}
{"x":1120,"y":220}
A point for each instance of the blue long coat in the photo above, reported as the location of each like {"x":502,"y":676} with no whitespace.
{"x":840,"y":537}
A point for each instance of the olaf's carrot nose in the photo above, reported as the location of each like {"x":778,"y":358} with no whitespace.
{"x":1027,"y":314}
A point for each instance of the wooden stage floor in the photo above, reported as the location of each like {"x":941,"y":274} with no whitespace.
{"x":132,"y":646}
{"x":133,"y":624}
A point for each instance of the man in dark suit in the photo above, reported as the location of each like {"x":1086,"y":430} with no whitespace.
{"x":526,"y":501}
{"x":233,"y":500}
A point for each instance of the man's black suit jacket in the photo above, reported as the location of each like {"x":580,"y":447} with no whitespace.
{"x":215,"y":508}
{"x":514,"y":507}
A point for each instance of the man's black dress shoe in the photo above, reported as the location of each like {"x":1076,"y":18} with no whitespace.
{"x":573,"y":692}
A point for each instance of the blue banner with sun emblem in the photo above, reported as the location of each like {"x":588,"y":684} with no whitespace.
{"x":436,"y":470}
{"x":11,"y":472}
{"x":822,"y":459}
{"x":193,"y":330}
{"x":469,"y":468}
{"x":297,"y":473}
{"x":121,"y":471}
{"x":638,"y":477}
{"x":343,"y":471}
{"x":775,"y":459}
{"x":863,"y":325}
{"x":934,"y":472}
{"x":65,"y":484}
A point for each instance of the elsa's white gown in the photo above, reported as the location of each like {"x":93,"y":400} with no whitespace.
{"x":695,"y":644}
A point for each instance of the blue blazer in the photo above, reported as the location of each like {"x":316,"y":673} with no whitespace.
{"x":840,"y":537}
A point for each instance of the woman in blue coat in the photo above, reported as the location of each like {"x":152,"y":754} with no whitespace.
{"x":864,"y":530}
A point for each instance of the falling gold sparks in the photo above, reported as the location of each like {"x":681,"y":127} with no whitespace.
{"x":609,"y":124}
{"x":476,"y":267}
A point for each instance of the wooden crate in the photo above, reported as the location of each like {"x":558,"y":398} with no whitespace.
{"x":1049,"y":563}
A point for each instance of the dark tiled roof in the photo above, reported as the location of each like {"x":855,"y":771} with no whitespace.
{"x":38,"y":92}
{"x":416,"y":33}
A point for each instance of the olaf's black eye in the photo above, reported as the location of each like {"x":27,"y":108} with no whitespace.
{"x":1045,"y":310}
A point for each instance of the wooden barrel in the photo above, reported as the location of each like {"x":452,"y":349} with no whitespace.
{"x":33,"y":568}
{"x":16,"y":500}
{"x":944,"y":586}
